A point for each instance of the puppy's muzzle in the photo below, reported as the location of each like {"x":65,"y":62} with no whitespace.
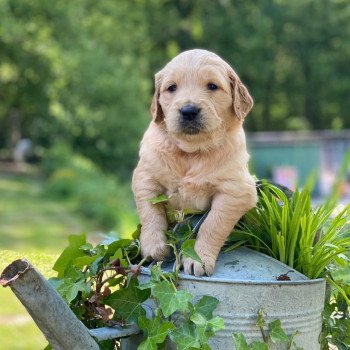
{"x":190,"y":119}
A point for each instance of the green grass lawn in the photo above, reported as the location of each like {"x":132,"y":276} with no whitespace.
{"x":30,"y":220}
{"x":35,"y":227}
{"x":17,"y":329}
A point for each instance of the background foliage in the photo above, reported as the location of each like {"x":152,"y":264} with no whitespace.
{"x":81,"y":72}
{"x":76,"y":77}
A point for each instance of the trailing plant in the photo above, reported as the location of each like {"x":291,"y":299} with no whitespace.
{"x":101,"y":286}
{"x":336,"y":318}
{"x":275,"y":335}
{"x":101,"y":283}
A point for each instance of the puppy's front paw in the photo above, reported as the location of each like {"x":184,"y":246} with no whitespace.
{"x":192,"y":267}
{"x":154,"y":247}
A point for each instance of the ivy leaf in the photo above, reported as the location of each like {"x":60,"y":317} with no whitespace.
{"x":82,"y":261}
{"x":72,"y":252}
{"x":204,"y":346}
{"x":148,"y":285}
{"x":106,"y":344}
{"x":136,"y":234}
{"x":205,"y":328}
{"x":260,"y":322}
{"x":116,"y":280}
{"x":187,"y":250}
{"x":155,"y":331}
{"x":119,"y":255}
{"x":69,"y":289}
{"x":201,"y":327}
{"x":256,"y":345}
{"x":277,"y":334}
{"x":114,"y":246}
{"x":216,"y":324}
{"x":156,"y":272}
{"x":127,"y":302}
{"x":240,"y":342}
{"x":171,"y":299}
{"x":185,"y":337}
{"x":206,"y":305}
{"x":55,"y":282}
{"x":160,"y":199}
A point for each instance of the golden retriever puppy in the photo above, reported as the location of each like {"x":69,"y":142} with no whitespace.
{"x":194,"y":151}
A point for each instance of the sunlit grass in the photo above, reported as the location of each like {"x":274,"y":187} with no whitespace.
{"x":35,"y":227}
{"x":17,"y":330}
{"x":29,"y":220}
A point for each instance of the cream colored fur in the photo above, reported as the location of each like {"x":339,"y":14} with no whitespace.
{"x":200,"y":171}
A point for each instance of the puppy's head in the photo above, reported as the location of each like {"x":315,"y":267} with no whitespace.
{"x":198,"y":94}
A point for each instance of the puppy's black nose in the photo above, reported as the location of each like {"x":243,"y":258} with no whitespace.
{"x":189,"y":112}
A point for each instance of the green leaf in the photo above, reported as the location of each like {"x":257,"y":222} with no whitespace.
{"x":201,"y":327}
{"x":206,"y":328}
{"x":69,"y":289}
{"x":156,"y":272}
{"x":171,"y":299}
{"x":155,"y":331}
{"x":72,"y":252}
{"x":148,"y":285}
{"x":216,"y":324}
{"x":240,"y":341}
{"x":127,"y":302}
{"x":106,"y":344}
{"x":277,"y":334}
{"x":256,"y":345}
{"x":136,"y":234}
{"x":119,"y":255}
{"x":260,"y":321}
{"x":187,"y":250}
{"x":156,"y":276}
{"x":82,"y":261}
{"x":192,"y":211}
{"x":185,"y":337}
{"x":235,"y":246}
{"x":206,"y":305}
{"x":160,"y":199}
{"x":55,"y":282}
{"x":113,"y":247}
{"x":116,"y":280}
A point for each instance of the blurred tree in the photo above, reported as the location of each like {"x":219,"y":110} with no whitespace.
{"x":81,"y":72}
{"x":74,"y":72}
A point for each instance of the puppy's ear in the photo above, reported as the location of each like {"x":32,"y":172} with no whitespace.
{"x":242,"y":102}
{"x":156,"y":108}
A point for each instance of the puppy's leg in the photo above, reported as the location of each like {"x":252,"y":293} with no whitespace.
{"x":225,"y":212}
{"x":152,"y":216}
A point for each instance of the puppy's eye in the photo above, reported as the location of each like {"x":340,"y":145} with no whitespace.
{"x":212,"y":86}
{"x":172,"y":88}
